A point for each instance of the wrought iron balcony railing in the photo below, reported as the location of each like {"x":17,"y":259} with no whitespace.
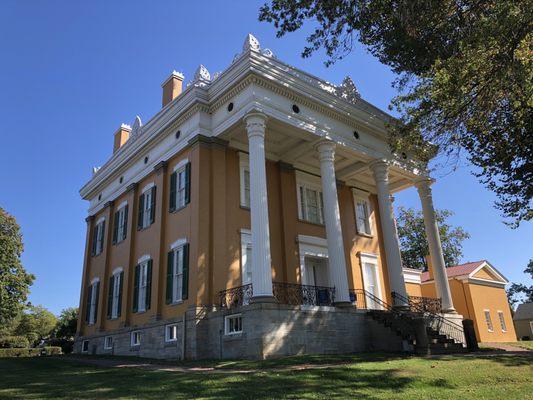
{"x":235,"y":297}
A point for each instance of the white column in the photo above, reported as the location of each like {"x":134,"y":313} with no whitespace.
{"x":261,"y":260}
{"x":337,"y":260}
{"x":435,"y":248}
{"x":380,"y":168}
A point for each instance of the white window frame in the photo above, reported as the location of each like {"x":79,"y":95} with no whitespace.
{"x":83,"y":349}
{"x":181,"y":183}
{"x":501,"y":318}
{"x":147,"y":206}
{"x":177,"y":275}
{"x":306,"y":182}
{"x":246,"y":258}
{"x":121,"y":231}
{"x":227,"y":323}
{"x":488,"y":321}
{"x":99,"y":247}
{"x":143,"y":284}
{"x":116,"y":292}
{"x":94,"y":301}
{"x":364,"y":198}
{"x":371,"y":259}
{"x":168,"y":329}
{"x":108,"y":346}
{"x":135,"y":338}
{"x":244,"y":169}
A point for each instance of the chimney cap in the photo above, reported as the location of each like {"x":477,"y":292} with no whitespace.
{"x":174,"y":75}
{"x":125,"y":126}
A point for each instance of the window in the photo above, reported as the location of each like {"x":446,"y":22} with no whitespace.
{"x":502,"y":321}
{"x":180,"y":182}
{"x":246,"y":257}
{"x":85,"y":346}
{"x":136,"y":338}
{"x":362,"y":216}
{"x":488,"y":320}
{"x":120,"y":224}
{"x":178,"y":274}
{"x":143,"y":283}
{"x":171,"y":333}
{"x":311,"y":204}
{"x":98,"y":237}
{"x":146,"y":207}
{"x":233,"y":324}
{"x":245,"y":179}
{"x":92,"y":302}
{"x":108,"y":343}
{"x":114,"y":299}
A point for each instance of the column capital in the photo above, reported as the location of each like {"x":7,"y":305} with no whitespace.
{"x":423,"y":185}
{"x":380,"y":168}
{"x":255,"y":124}
{"x":326,"y":150}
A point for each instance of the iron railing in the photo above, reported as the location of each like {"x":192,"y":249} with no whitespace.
{"x":423,"y":304}
{"x":235,"y":297}
{"x":364,"y":300}
{"x":308,"y":295}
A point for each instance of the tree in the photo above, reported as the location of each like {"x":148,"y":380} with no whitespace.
{"x":520,"y":292}
{"x":67,"y":323}
{"x":14,"y":280}
{"x":413,"y":242}
{"x":36,"y":323}
{"x":465,"y":73}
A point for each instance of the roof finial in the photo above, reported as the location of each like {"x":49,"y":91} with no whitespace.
{"x":201,"y":76}
{"x":136,"y":127}
{"x":251,"y":43}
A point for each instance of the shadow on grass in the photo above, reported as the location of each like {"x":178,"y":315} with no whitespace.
{"x":56,"y":379}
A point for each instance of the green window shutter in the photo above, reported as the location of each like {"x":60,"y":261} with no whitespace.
{"x":125,"y":225}
{"x":88,"y":303}
{"x":96,"y":303}
{"x":115,"y":228}
{"x":136,"y":289}
{"x":173,"y":189}
{"x":188,"y":183}
{"x":110,"y":297}
{"x":185,"y":286}
{"x":149,"y":285}
{"x":170,"y":273}
{"x":95,"y":238}
{"x":152,"y":206}
{"x":119,"y":308}
{"x":141,"y":212}
{"x":102,"y":237}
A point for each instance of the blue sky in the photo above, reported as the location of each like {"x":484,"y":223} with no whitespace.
{"x":72,"y":71}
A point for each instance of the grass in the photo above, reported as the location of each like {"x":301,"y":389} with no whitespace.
{"x":525,"y":344}
{"x":359,"y":376}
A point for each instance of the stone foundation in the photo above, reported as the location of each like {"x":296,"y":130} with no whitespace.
{"x":268,"y":330}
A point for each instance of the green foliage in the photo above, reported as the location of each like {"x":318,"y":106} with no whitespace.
{"x":67,"y":323}
{"x":14,"y":342}
{"x":14,"y":280}
{"x":413,"y":242}
{"x":518,"y":292}
{"x":35,"y":324}
{"x":38,"y":351}
{"x":465,"y":78}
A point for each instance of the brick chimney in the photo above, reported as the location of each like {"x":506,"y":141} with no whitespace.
{"x":172,"y":87}
{"x":121,"y":136}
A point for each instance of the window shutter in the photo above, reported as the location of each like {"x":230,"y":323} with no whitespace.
{"x":152,"y":206}
{"x":125,"y":226}
{"x":185,"y":285}
{"x":148,"y":285}
{"x":110,"y":297}
{"x":88,"y":303}
{"x":141,"y":212}
{"x":136,"y":289}
{"x":121,"y":277}
{"x":115,"y":228}
{"x":95,"y":239}
{"x":170,"y":273}
{"x":173,"y":188}
{"x":96,"y":302}
{"x":188,"y":183}
{"x":102,"y":237}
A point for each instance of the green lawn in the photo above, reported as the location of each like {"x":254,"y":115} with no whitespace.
{"x":363,"y":377}
{"x":526,"y":344}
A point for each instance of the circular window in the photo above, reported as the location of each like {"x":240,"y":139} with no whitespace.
{"x":356,"y":134}
{"x":230,"y":107}
{"x":146,"y":160}
{"x":178,"y":134}
{"x":295,"y":108}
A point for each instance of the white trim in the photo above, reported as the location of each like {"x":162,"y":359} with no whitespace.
{"x":121,"y":205}
{"x":94,"y":280}
{"x":178,"y":243}
{"x":246,"y":240}
{"x":132,"y":335}
{"x":359,"y":196}
{"x":99,"y":221}
{"x":313,"y":241}
{"x":226,"y":324}
{"x":501,"y":317}
{"x":245,"y":231}
{"x":311,"y":246}
{"x":83,"y":345}
{"x":490,"y":320}
{"x":180,"y":164}
{"x":144,"y":258}
{"x":244,"y":165}
{"x":167,"y":340}
{"x":311,"y":182}
{"x":371,"y":258}
{"x":117,"y":270}
{"x":106,"y":347}
{"x":147,"y":187}
{"x":491,"y":269}
{"x":411,"y":275}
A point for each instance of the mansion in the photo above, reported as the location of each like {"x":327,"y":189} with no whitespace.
{"x":251,"y":217}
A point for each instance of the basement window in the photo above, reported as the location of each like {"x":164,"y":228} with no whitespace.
{"x":136,"y":338}
{"x":85,"y":346}
{"x":171,"y":333}
{"x":233,"y":324}
{"x":108,"y":343}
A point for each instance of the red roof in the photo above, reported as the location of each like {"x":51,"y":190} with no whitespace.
{"x":456,"y":270}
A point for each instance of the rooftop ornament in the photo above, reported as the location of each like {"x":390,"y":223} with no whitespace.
{"x":136,"y":128}
{"x":201,"y":78}
{"x":348,"y":91}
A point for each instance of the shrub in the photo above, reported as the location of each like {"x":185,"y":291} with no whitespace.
{"x":30,"y":352}
{"x":67,"y":345}
{"x":14,"y":342}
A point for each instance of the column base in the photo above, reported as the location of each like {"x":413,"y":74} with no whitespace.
{"x":263,"y":299}
{"x":449,"y":311}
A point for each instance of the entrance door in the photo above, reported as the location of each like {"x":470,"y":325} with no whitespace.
{"x":370,"y":275}
{"x":316,"y":274}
